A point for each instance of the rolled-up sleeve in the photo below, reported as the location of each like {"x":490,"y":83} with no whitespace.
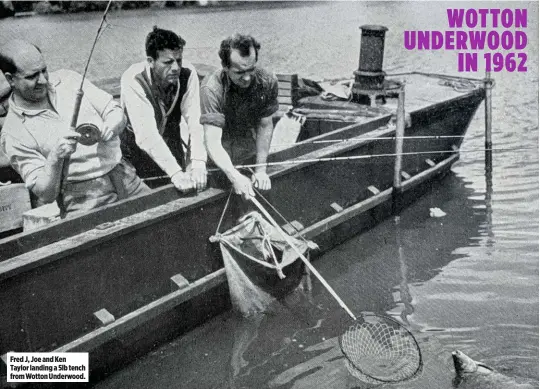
{"x":211,"y":107}
{"x":102,"y":102}
{"x":26,"y":161}
{"x":99,"y":99}
{"x":191,"y":110}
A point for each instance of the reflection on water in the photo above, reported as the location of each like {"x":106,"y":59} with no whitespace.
{"x":405,"y":297}
{"x":468,"y":280}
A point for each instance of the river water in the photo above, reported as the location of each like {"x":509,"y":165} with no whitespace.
{"x":468,"y":280}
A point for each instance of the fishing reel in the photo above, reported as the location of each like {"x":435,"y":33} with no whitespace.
{"x":90,"y":134}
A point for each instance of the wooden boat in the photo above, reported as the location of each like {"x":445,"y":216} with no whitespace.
{"x":119,"y":280}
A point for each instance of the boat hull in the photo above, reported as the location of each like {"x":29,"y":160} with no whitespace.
{"x":121,"y":259}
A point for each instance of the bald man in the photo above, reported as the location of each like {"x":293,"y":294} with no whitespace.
{"x":37,"y":138}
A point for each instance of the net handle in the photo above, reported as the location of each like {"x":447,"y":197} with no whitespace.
{"x":303,"y":258}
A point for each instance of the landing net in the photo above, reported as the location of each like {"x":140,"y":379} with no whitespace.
{"x":260,"y":265}
{"x":379,"y":349}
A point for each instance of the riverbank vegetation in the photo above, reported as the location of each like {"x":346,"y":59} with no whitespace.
{"x":13,"y":8}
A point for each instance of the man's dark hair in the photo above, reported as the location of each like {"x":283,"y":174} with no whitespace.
{"x":242,"y":43}
{"x":7,"y":63}
{"x":159,"y":39}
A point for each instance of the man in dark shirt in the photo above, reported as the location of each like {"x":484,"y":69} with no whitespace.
{"x":237,"y":104}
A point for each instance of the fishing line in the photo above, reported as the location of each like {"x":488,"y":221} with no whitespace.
{"x":98,"y":35}
{"x":359,"y":157}
{"x":436,"y":75}
{"x":414,"y":137}
{"x":352,"y":158}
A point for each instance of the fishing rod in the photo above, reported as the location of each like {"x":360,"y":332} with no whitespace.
{"x":352,"y":158}
{"x":73,"y":125}
{"x":412,"y":137}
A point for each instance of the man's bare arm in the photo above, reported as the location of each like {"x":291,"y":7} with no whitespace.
{"x":265,"y":130}
{"x":214,"y":147}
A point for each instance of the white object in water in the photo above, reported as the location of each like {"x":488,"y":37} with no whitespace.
{"x":436,"y":212}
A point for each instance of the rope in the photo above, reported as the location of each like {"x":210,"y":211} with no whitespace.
{"x":268,"y":250}
{"x":222,"y":215}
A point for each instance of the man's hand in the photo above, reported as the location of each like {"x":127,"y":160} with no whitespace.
{"x":242,"y":186}
{"x":198,"y":174}
{"x":261,"y":181}
{"x":65,"y":146}
{"x":182,"y":181}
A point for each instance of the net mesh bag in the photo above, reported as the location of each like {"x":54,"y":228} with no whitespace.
{"x":257,"y":261}
{"x":380,"y":350}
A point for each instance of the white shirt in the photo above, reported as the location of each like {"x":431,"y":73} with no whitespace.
{"x":28,"y":136}
{"x":141,"y":116}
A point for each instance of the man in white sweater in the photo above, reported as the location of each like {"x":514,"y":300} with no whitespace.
{"x":156,"y":94}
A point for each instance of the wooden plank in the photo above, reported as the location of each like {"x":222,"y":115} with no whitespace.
{"x":285,"y":85}
{"x":140,"y":316}
{"x":104,"y":317}
{"x":296,"y":224}
{"x":373,"y":189}
{"x":66,"y":247}
{"x":284,"y":100}
{"x":284,"y":92}
{"x":336,"y":207}
{"x":77,"y":223}
{"x":292,"y":227}
{"x":429,"y":173}
{"x":178,"y":281}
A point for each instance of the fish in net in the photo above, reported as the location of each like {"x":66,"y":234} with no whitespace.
{"x":260,"y":265}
